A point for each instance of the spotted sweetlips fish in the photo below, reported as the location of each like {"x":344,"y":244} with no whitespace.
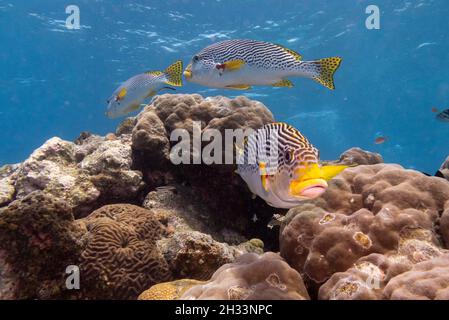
{"x":239,"y":64}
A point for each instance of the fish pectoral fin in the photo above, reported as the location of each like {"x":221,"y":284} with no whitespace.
{"x":330,"y":171}
{"x":264,"y":177}
{"x":283,"y":83}
{"x":174,"y":74}
{"x":233,"y":65}
{"x":150,"y":94}
{"x":122,"y":93}
{"x":239,"y":86}
{"x":134,"y":107}
{"x":168,"y":88}
{"x":265,"y":182}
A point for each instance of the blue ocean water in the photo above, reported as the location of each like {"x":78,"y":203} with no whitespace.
{"x":55,"y":81}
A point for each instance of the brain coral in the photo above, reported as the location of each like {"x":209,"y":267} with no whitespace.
{"x":366,"y":209}
{"x":252,"y":277}
{"x":121,"y":257}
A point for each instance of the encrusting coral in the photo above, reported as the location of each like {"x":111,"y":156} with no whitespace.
{"x":169,"y":290}
{"x":252,"y":277}
{"x":85,"y":174}
{"x":38,"y":240}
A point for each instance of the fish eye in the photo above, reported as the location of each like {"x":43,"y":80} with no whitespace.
{"x":289,"y":156}
{"x":195,"y":58}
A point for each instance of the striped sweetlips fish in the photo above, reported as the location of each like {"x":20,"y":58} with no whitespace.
{"x":239,"y":64}
{"x":282,"y":167}
{"x":130,"y":94}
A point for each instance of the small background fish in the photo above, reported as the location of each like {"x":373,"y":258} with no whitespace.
{"x":238,"y":64}
{"x":380,"y":140}
{"x":443,"y":115}
{"x":130,"y":95}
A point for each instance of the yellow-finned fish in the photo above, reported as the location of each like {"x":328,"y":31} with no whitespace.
{"x":281,"y":166}
{"x":130,"y":95}
{"x":239,"y":64}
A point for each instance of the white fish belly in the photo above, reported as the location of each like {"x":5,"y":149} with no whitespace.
{"x":249,"y":76}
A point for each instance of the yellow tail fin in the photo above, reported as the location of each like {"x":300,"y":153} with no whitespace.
{"x":327,"y":68}
{"x":174,"y":74}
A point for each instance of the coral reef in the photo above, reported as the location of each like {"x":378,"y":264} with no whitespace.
{"x":252,"y":277}
{"x":85,"y":174}
{"x":426,"y":280}
{"x":120,"y":210}
{"x":365,"y":210}
{"x":369,"y":276}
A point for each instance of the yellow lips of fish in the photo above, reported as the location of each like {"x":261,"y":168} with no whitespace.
{"x":188,"y":72}
{"x":312,"y":179}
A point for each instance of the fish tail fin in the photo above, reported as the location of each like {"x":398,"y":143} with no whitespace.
{"x":325,"y":69}
{"x":174,"y":74}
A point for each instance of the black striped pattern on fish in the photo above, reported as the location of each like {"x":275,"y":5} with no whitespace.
{"x":443,"y":115}
{"x":280,"y":146}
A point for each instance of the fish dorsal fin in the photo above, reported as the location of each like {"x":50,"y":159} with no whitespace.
{"x":174,"y":74}
{"x":233,"y":65}
{"x":155,"y":73}
{"x":283,"y":83}
{"x":122,"y":93}
{"x":292,"y":52}
{"x":239,"y":86}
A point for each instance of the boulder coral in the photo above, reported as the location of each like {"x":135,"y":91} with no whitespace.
{"x":367,"y":209}
{"x":252,"y":277}
{"x":426,"y":280}
{"x":369,"y":276}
